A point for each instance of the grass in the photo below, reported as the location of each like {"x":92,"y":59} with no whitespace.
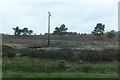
{"x":10,"y":74}
{"x":40,"y":65}
{"x":105,"y":67}
{"x":27,"y":64}
{"x":25,"y":67}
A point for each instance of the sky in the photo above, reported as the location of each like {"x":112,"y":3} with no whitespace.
{"x":78,"y":15}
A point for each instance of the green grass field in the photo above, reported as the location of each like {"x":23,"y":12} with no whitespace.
{"x":25,"y":67}
{"x":10,"y":74}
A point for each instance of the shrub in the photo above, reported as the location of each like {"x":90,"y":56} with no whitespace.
{"x":93,"y":56}
{"x":23,"y":52}
{"x":111,"y":34}
{"x":52,"y":54}
{"x":110,"y":55}
{"x":8,"y":51}
{"x":73,"y":55}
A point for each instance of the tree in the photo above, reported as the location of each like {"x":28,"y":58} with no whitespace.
{"x":30,"y":32}
{"x":23,"y":31}
{"x":99,"y":30}
{"x":17,"y":31}
{"x":57,"y":31}
{"x":46,"y":34}
{"x":111,"y":34}
{"x":60,"y":31}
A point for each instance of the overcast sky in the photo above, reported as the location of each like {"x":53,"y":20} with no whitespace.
{"x":78,"y":15}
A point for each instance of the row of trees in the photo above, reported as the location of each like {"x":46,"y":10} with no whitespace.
{"x":98,"y":31}
{"x":62,"y":30}
{"x":23,"y":31}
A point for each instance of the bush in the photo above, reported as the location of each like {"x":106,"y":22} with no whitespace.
{"x":8,"y":51}
{"x":24,"y":52}
{"x":53,"y":54}
{"x":92,"y":56}
{"x":111,"y":34}
{"x":73,"y":55}
{"x":110,"y":55}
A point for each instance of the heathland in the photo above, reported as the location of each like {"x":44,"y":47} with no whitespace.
{"x":79,"y":56}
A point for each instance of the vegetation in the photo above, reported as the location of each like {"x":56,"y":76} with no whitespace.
{"x":111,"y":34}
{"x":60,"y":31}
{"x":26,"y":67}
{"x":23,"y":31}
{"x":66,"y":54}
{"x":83,"y":55}
{"x":71,"y":33}
{"x":29,"y":57}
{"x":99,"y":30}
{"x":8,"y":51}
{"x":17,"y":31}
{"x":11,"y":74}
{"x":63,"y":63}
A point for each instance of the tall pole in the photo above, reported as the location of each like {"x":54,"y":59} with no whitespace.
{"x":49,"y":28}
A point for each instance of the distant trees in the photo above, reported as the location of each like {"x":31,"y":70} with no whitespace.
{"x":111,"y":34}
{"x":99,"y":30}
{"x":75,"y":33}
{"x":30,"y":32}
{"x":62,"y":30}
{"x":72,"y":33}
{"x":17,"y":31}
{"x":23,"y":31}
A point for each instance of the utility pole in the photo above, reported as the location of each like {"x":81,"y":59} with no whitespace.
{"x":49,"y":28}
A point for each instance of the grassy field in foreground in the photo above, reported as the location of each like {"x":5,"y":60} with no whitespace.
{"x":26,"y":67}
{"x":10,"y":74}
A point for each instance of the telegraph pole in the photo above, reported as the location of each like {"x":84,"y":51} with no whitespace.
{"x":49,"y":28}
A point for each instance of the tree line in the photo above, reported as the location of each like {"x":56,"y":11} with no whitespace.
{"x":99,"y":31}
